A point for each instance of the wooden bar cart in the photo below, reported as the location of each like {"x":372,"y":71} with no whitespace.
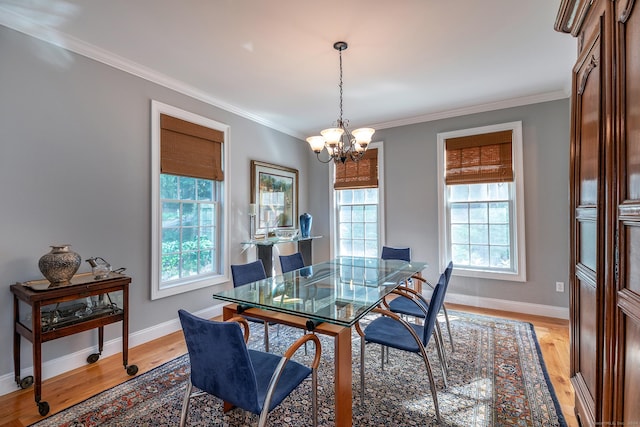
{"x":58,"y":311}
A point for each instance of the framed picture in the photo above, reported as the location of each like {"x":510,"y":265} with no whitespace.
{"x":274,"y":190}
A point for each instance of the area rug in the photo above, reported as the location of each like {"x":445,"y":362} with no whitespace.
{"x":496,"y":378}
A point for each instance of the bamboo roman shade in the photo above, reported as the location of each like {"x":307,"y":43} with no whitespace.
{"x":476,"y":159}
{"x":189,"y":149}
{"x":360,"y":174}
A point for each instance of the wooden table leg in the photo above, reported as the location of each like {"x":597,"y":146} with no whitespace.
{"x":342,"y":357}
{"x":343,"y":377}
{"x":227,"y":313}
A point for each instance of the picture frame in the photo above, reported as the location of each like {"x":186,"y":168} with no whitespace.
{"x":274,"y":190}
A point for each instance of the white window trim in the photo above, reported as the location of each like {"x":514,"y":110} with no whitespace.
{"x":520,"y":274}
{"x":332,"y":201}
{"x":158,"y":108}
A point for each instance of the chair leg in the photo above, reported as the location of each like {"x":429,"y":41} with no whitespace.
{"x":314,"y":382}
{"x":432,"y":384}
{"x":304,"y":331}
{"x":185,"y":404}
{"x":446,"y":318}
{"x":361,"y":370}
{"x":437,"y":335}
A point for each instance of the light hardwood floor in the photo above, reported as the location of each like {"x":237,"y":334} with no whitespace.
{"x":19,"y":409}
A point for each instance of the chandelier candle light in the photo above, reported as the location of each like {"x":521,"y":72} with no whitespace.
{"x":339,"y":142}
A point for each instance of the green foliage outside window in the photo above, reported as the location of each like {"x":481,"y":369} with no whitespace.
{"x":188,"y":226}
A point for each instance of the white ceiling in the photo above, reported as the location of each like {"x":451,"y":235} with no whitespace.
{"x":274,"y":62}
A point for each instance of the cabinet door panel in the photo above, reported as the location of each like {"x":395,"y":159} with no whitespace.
{"x":630,"y":407}
{"x":630,"y":63}
{"x":587,"y":199}
{"x":589,"y":129}
{"x":627,"y":380}
{"x":588,"y":336}
{"x":631,"y":257}
{"x":587,"y":236}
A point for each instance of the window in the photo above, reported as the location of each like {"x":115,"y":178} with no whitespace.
{"x":357,"y":222}
{"x":481,"y":196}
{"x":357,"y":206}
{"x":189,"y":219}
{"x":188,"y":188}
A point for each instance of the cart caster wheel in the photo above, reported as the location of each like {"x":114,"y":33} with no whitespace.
{"x":26,"y":382}
{"x":132,"y":370}
{"x":93,"y":358}
{"x":43,"y":408}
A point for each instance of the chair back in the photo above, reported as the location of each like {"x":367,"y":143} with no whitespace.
{"x":403,"y":254}
{"x":291,"y":262}
{"x":435,"y":304}
{"x":448,"y":271}
{"x":247,"y":273}
{"x":220,"y":362}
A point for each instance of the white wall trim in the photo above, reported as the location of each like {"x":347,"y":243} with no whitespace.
{"x":196,"y":282}
{"x":474,"y":109}
{"x":506,"y":305}
{"x":78,"y":359}
{"x":28,"y":26}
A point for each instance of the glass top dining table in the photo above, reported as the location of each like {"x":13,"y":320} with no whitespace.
{"x":339,"y":291}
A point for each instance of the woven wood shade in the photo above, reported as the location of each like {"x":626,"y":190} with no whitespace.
{"x":188,"y":149}
{"x":360,"y":174}
{"x":476,"y":159}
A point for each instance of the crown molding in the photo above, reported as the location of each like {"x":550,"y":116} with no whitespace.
{"x":27,"y":26}
{"x":30,"y":27}
{"x":481,"y":108}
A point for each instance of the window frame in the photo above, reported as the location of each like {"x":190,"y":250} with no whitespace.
{"x":333,"y":221}
{"x":517,"y":200}
{"x":194,"y":282}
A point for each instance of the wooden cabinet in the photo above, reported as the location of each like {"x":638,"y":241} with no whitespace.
{"x":43,"y":312}
{"x":605,"y":209}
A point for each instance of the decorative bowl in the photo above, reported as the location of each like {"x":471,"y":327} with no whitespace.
{"x":286,"y":233}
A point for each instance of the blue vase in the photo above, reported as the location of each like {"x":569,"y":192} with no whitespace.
{"x":305,"y":225}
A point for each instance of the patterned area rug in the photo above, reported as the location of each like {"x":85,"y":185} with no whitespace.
{"x":497,"y":378}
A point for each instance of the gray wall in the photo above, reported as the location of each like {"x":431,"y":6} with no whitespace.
{"x":411,"y":198}
{"x":75,"y":168}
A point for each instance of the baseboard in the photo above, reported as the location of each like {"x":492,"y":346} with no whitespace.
{"x":506,"y":305}
{"x":68,"y":362}
{"x":71,"y":361}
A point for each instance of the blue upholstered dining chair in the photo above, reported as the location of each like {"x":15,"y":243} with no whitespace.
{"x":291,"y":262}
{"x":403,"y":254}
{"x":408,"y":308}
{"x":391,"y":331}
{"x":247,"y":273}
{"x":223,"y":366}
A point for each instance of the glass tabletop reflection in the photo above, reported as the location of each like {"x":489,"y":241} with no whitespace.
{"x":338,"y":291}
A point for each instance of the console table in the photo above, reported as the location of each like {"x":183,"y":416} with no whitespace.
{"x":264,"y":249}
{"x":58,"y":311}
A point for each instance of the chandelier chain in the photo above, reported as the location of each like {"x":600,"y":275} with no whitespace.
{"x":340,"y":122}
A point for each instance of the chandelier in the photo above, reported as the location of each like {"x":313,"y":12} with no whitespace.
{"x":339,"y":142}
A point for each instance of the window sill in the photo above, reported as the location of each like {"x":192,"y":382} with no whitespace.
{"x":186,"y":286}
{"x":488,"y":274}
